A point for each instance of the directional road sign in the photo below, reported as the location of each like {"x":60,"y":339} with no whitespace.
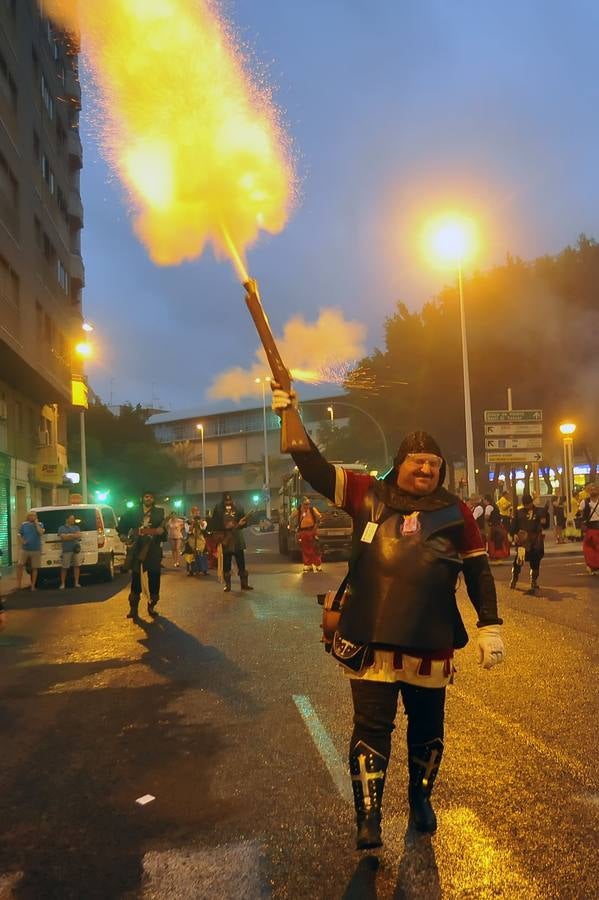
{"x":513,"y":415}
{"x":516,"y":443}
{"x":512,"y":456}
{"x":508,"y":428}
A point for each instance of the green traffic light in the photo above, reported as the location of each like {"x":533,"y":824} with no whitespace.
{"x":178,"y":504}
{"x":102,"y":496}
{"x":129,"y":504}
{"x":255,"y":498}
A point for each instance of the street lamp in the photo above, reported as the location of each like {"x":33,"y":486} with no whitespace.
{"x":263,"y":382}
{"x":567,"y":429}
{"x":330,"y":412}
{"x":84,"y":350}
{"x":373,"y":420}
{"x":451,"y":239}
{"x":200,"y":428}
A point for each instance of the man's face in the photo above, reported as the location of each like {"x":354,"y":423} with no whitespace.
{"x":148,"y":499}
{"x":70,"y":520}
{"x":31,"y":517}
{"x":419,"y":473}
{"x":594,"y":492}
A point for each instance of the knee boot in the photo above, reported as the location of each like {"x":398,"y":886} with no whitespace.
{"x":133,"y":606}
{"x":243,"y":577}
{"x":227,"y":577}
{"x":152,"y":605}
{"x":423,"y":765}
{"x":515,"y":574}
{"x":368,"y":769}
{"x":534,"y":581}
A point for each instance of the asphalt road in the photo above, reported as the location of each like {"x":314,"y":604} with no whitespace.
{"x":229,"y":714}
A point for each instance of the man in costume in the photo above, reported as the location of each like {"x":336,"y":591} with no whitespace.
{"x":307,"y":518}
{"x":589,"y":510}
{"x":143,"y":529}
{"x":527,"y":533}
{"x":400,"y":624}
{"x":228,"y":520}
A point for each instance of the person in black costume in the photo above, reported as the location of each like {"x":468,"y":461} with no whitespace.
{"x":143,"y":529}
{"x":229,"y":520}
{"x":527,"y":532}
{"x":400,"y":624}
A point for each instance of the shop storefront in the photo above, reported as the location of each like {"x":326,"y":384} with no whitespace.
{"x":5,"y":559}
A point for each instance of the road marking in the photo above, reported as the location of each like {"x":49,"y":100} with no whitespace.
{"x":325,"y":746}
{"x":562,"y":760}
{"x":187,"y":873}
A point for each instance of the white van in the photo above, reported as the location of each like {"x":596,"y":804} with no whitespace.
{"x":102,"y":550}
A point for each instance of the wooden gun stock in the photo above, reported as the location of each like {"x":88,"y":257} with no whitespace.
{"x":293,"y":433}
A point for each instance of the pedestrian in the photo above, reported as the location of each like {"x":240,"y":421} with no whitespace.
{"x":498,"y":544}
{"x":527,"y":532}
{"x":506,"y":510}
{"x":400,"y":625}
{"x":229,"y":520}
{"x":196,"y":547}
{"x":589,"y":511}
{"x":559,"y":518}
{"x":30,"y":553}
{"x":175,"y":538}
{"x":144,"y":530}
{"x":307,"y":518}
{"x":70,"y":535}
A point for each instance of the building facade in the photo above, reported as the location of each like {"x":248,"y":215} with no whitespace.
{"x":234,"y":451}
{"x":41,"y":270}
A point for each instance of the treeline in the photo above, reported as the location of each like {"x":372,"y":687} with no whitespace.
{"x":532,"y":326}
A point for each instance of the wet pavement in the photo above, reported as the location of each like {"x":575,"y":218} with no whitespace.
{"x":226,"y":711}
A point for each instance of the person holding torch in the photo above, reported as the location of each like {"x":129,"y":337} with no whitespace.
{"x":399,"y":623}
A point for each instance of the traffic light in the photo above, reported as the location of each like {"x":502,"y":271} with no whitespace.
{"x":177,"y":504}
{"x":255,"y":498}
{"x":102,"y":496}
{"x":130,"y":504}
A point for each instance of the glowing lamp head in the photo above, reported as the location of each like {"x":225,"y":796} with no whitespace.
{"x":199,"y":426}
{"x":567,"y":428}
{"x":450,"y":240}
{"x":83,"y":349}
{"x":87,"y":326}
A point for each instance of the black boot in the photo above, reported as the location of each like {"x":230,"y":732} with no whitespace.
{"x":227,"y":587}
{"x":515,"y":574}
{"x":368,"y":769}
{"x":152,"y":605}
{"x":133,"y":606}
{"x":243,"y":577}
{"x":423,"y":765}
{"x":534,"y":581}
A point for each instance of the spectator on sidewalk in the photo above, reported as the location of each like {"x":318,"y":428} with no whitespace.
{"x":559,"y":517}
{"x":506,"y":509}
{"x":70,"y":535}
{"x":175,"y":526}
{"x":30,"y":537}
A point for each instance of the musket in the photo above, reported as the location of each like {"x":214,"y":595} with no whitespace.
{"x":293,"y":433}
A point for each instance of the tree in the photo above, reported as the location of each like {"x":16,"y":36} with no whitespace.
{"x":123,"y":455}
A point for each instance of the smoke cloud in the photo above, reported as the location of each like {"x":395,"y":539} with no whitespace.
{"x":309,"y":349}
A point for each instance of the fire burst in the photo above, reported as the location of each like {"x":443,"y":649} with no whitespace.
{"x":193,"y":137}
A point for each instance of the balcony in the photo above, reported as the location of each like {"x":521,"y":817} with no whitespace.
{"x":77,"y":269}
{"x":75,"y":149}
{"x":9,"y":216}
{"x":10,"y":318}
{"x":76,"y":207}
{"x":72,"y":87}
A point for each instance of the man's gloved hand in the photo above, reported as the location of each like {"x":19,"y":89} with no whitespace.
{"x":491,"y":651}
{"x":281,"y":399}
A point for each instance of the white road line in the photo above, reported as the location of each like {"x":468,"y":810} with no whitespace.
{"x":562,"y":760}
{"x":325,"y":746}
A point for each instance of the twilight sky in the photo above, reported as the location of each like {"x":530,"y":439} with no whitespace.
{"x":396,"y":108}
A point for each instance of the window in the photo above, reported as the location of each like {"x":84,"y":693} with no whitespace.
{"x":47,"y":173}
{"x":37,"y":228}
{"x":36,"y":146}
{"x":47,"y":96}
{"x":62,"y":203}
{"x":63,"y":276}
{"x":61,"y":135}
{"x":7,"y":83}
{"x":49,"y":250}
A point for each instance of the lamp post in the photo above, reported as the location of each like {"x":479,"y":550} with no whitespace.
{"x":373,"y":420}
{"x":200,"y":428}
{"x":567,"y":429}
{"x":83,"y":349}
{"x":330,"y":412}
{"x":263,"y":381}
{"x":452,"y":240}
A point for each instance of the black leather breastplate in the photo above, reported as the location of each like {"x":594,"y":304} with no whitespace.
{"x":403,"y":583}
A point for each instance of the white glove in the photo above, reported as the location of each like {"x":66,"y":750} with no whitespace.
{"x":491,"y":651}
{"x":282,"y":400}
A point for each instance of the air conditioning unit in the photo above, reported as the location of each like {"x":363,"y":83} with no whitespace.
{"x":3,"y":409}
{"x":43,"y":437}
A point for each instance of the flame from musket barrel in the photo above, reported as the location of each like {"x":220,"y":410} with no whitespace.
{"x":195,"y":139}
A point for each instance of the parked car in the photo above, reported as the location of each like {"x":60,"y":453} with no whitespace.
{"x":102,"y":549}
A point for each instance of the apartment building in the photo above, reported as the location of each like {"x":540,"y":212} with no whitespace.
{"x":41,"y":270}
{"x":234,"y":443}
